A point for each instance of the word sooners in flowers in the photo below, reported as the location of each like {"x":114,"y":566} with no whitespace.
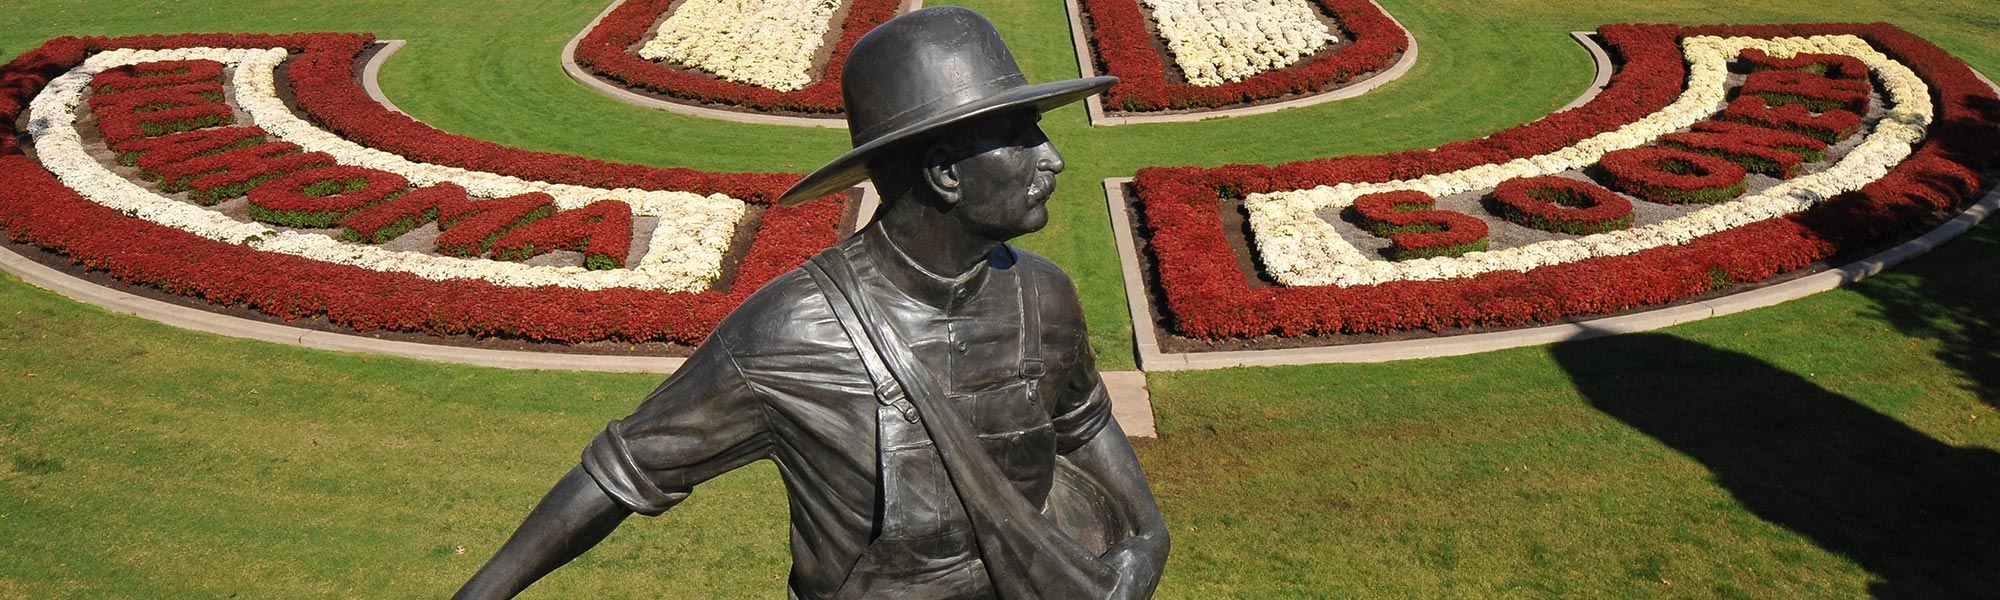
{"x":1300,"y":249}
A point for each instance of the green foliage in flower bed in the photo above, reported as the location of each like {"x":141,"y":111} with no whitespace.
{"x":1399,"y":253}
{"x":394,"y":230}
{"x":154,"y":128}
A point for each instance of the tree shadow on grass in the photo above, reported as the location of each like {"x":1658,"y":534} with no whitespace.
{"x":1921,"y":515}
{"x":1952,"y":295}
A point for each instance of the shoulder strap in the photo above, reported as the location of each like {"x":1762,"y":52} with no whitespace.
{"x":1032,"y":365}
{"x":1025,"y":554}
{"x":886,"y":389}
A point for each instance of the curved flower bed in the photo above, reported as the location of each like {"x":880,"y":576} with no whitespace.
{"x":1923,"y":157}
{"x":610,"y":51}
{"x":684,"y":255}
{"x":1830,"y":65}
{"x":1124,"y":48}
{"x":236,"y":264}
{"x":1292,"y":241}
{"x":1562,"y":205}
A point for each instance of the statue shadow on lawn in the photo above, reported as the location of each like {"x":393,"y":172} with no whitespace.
{"x":1919,"y":514}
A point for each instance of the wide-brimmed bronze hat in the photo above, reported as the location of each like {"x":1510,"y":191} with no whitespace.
{"x":920,"y":73}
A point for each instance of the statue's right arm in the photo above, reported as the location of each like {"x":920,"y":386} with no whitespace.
{"x":703,"y":421}
{"x":573,"y":517}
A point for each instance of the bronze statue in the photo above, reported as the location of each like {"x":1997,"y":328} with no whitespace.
{"x":927,"y":391}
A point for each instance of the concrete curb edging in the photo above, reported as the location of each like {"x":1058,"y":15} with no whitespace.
{"x":371,"y":73}
{"x":1604,"y":68}
{"x":1095,"y":105}
{"x":1152,"y":359}
{"x":121,"y":302}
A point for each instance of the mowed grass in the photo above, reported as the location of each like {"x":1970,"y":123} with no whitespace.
{"x":1735,"y":457}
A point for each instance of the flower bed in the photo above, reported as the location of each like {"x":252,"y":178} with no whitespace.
{"x":601,"y":231}
{"x":1756,"y":149}
{"x":1219,"y":41}
{"x":1123,"y":47}
{"x":1416,"y":231}
{"x":1830,"y":65}
{"x":685,"y":252}
{"x":1670,"y":176}
{"x":1876,"y":191}
{"x":1816,"y":92}
{"x":230,"y":262}
{"x":1295,"y":245}
{"x":765,"y":44}
{"x":1796,"y":118}
{"x":129,"y":113}
{"x":1562,"y":205}
{"x":322,"y":198}
{"x":609,"y":51}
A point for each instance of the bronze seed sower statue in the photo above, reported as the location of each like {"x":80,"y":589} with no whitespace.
{"x":927,"y":391}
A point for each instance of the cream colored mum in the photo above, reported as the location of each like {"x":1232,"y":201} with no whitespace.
{"x":1219,"y":41}
{"x":768,"y":43}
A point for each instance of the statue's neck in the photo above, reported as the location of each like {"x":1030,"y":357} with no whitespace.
{"x":929,"y":258}
{"x":933,"y":241}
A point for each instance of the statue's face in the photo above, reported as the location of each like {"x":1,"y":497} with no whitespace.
{"x":1005,"y":178}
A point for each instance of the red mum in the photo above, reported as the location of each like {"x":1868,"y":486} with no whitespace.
{"x":602,"y":231}
{"x":1670,"y":176}
{"x":1561,"y":204}
{"x":320,"y":198}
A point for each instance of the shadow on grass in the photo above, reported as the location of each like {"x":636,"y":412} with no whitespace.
{"x":1953,"y":297}
{"x":1917,"y":513}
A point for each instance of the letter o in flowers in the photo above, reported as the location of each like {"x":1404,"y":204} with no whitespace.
{"x":320,"y":198}
{"x":1561,"y":205}
{"x":1416,"y":231}
{"x":1670,"y":176}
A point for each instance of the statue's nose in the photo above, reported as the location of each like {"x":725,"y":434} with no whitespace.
{"x":1049,"y":159}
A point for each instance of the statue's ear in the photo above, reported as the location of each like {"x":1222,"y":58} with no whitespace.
{"x":941,"y":173}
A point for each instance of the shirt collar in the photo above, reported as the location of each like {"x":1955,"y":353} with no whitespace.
{"x":938,"y":291}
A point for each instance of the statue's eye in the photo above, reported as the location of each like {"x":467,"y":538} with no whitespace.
{"x":1033,"y":137}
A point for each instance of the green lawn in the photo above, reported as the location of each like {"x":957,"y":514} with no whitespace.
{"x":1838,"y":446}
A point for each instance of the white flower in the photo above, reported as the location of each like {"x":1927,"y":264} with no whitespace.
{"x":767,"y":43}
{"x":1219,"y":41}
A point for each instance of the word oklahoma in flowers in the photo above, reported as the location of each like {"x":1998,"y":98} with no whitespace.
{"x":1717,"y":156}
{"x":172,"y":162}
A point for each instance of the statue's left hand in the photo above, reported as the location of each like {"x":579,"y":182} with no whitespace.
{"x":1138,"y":562}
